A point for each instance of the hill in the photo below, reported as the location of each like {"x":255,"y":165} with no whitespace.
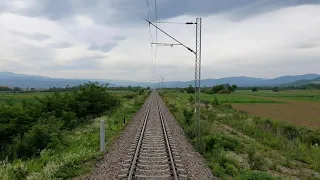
{"x":245,"y":81}
{"x":33,"y":81}
{"x":302,"y":82}
{"x":21,"y":80}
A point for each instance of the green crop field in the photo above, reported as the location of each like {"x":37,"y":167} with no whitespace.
{"x":19,"y":97}
{"x":30,"y":96}
{"x":304,"y":95}
{"x":227,"y":98}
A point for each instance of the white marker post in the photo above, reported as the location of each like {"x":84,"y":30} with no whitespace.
{"x":102,"y":136}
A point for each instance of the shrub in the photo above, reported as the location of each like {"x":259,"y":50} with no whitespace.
{"x":188,"y":116}
{"x":255,"y":175}
{"x":190,"y":89}
{"x":254,"y":89}
{"x":256,"y":161}
{"x":215,"y":102}
{"x":191,"y":99}
{"x":206,"y":103}
{"x":223,"y":141}
{"x":141,"y":91}
{"x":224,"y":91}
{"x":231,"y":169}
{"x":129,"y":96}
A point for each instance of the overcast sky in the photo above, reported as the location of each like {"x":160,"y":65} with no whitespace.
{"x":110,"y":39}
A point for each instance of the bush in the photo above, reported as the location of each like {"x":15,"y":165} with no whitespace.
{"x":191,"y":99}
{"x":255,"y":175}
{"x":27,"y":129}
{"x":256,"y":161}
{"x":129,"y":96}
{"x":190,"y":89}
{"x":188,"y":116}
{"x":222,"y":141}
{"x":224,"y":91}
{"x":215,"y":102}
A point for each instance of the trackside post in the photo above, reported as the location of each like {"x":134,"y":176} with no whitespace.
{"x":102,"y":137}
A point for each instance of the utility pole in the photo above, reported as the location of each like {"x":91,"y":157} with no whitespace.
{"x":197,"y":64}
{"x":198,"y":73}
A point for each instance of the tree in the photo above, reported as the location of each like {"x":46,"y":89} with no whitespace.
{"x":234,"y":87}
{"x":17,"y":89}
{"x":217,"y":88}
{"x":254,"y":89}
{"x":275,"y":89}
{"x":190,"y":89}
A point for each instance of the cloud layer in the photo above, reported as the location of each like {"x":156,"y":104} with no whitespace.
{"x":109,"y":39}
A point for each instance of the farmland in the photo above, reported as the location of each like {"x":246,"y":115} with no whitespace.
{"x":295,"y":107}
{"x":30,"y":96}
{"x":298,"y":107}
{"x":19,"y":97}
{"x":228,"y":98}
{"x":247,"y":145}
{"x":313,"y":96}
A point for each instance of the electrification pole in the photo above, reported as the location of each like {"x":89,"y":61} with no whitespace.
{"x":198,"y":74}
{"x":197,"y":64}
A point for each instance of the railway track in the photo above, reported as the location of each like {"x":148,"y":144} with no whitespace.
{"x":153,"y":153}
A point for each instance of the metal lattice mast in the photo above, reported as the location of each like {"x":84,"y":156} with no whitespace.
{"x":198,"y":73}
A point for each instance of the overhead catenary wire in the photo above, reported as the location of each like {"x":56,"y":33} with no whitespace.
{"x":171,"y":37}
{"x":159,"y":22}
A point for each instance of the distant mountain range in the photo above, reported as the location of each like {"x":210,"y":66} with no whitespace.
{"x":303,"y":82}
{"x":21,"y":80}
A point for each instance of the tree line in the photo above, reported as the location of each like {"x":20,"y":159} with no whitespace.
{"x":218,"y":89}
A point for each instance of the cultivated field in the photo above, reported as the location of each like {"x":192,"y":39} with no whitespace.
{"x":296,"y":107}
{"x":30,"y":96}
{"x":19,"y":97}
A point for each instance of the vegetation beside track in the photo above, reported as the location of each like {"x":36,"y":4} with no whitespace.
{"x":242,"y":146}
{"x":58,"y":135}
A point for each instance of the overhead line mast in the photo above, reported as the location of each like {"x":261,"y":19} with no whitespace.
{"x":197,"y":53}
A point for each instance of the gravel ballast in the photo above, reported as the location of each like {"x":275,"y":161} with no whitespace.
{"x":110,"y":166}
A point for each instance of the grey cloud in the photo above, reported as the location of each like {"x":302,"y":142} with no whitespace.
{"x":307,"y":45}
{"x":31,"y":36}
{"x":119,"y":38}
{"x":104,"y":48}
{"x":166,"y":66}
{"x":34,"y":54}
{"x":83,"y":63}
{"x":128,"y":11}
{"x":60,"y":45}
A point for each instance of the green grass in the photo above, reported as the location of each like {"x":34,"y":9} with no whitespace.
{"x":237,"y":145}
{"x":80,"y":151}
{"x":304,"y":95}
{"x":226,"y":98}
{"x":30,"y":96}
{"x":19,"y":97}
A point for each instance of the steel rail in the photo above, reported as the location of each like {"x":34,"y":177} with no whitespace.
{"x":134,"y":161}
{"x":175,"y":176}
